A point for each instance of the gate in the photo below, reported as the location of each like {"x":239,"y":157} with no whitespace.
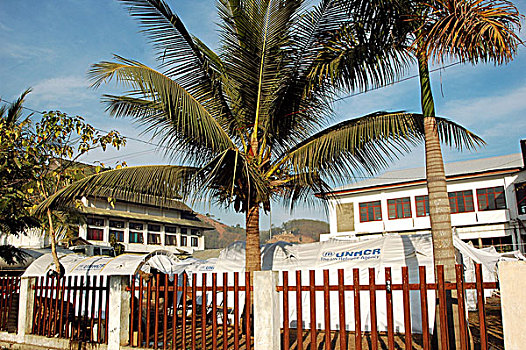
{"x":361,"y":316}
{"x":201,"y":311}
{"x":9,"y":296}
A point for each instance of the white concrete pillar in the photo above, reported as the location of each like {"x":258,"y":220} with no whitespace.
{"x":118,"y":316}
{"x":25,"y":307}
{"x":266,"y":311}
{"x":512,"y":278}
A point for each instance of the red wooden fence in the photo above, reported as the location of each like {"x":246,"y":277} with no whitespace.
{"x":331,"y":339}
{"x":9,"y":294}
{"x":71,"y":307}
{"x":169,"y":314}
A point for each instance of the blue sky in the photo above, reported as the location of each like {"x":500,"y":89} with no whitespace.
{"x":49,"y":46}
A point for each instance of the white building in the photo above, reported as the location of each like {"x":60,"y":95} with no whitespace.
{"x":487,"y":199}
{"x":142,"y":227}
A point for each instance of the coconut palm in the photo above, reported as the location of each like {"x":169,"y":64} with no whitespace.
{"x":249,"y":124}
{"x":437,"y":30}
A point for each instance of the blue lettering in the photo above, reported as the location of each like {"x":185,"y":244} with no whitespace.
{"x":339,"y":255}
{"x":358,"y":253}
{"x":376,"y":251}
{"x":367,"y":252}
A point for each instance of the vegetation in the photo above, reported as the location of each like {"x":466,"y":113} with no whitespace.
{"x":248,"y":123}
{"x":39,"y":159}
{"x":469,"y":31}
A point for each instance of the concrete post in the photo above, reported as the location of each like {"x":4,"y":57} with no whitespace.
{"x":25,"y":307}
{"x":266,"y":311}
{"x":118,"y":316}
{"x":512,"y":278}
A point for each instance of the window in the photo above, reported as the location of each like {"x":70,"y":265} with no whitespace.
{"x":170,"y":240}
{"x":136,"y":226}
{"x":116,"y":224}
{"x":154,"y":238}
{"x":194,"y":241}
{"x":170,"y":229}
{"x":95,"y":234}
{"x":91,"y":221}
{"x":136,"y":237}
{"x":196,"y":232}
{"x":370,"y":211}
{"x":422,"y":206}
{"x":399,"y":208}
{"x":184,"y":241}
{"x":491,"y":198}
{"x":520,"y":191}
{"x":119,"y":235}
{"x":154,"y":228}
{"x":461,"y":201}
{"x":183,"y":230}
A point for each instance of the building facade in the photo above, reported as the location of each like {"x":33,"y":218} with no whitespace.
{"x":142,"y":227}
{"x":487,"y":199}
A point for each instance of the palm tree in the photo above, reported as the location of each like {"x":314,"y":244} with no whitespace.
{"x":249,"y":124}
{"x":467,"y":30}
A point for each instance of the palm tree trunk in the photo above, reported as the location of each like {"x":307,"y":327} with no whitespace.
{"x":439,"y":209}
{"x":253,"y":251}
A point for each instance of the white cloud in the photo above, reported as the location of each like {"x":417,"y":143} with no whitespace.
{"x":67,"y":91}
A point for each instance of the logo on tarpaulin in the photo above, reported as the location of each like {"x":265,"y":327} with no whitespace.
{"x":362,"y":254}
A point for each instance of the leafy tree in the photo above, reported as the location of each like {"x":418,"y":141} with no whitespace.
{"x":248,"y":124}
{"x":467,"y":30}
{"x":38,"y":160}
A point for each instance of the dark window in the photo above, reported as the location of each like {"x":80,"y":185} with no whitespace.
{"x":491,"y":198}
{"x":520,"y":191}
{"x":170,"y":229}
{"x":137,"y":226}
{"x":119,"y":235}
{"x":95,"y":234}
{"x":154,"y":228}
{"x":461,"y":201}
{"x":399,"y":208}
{"x":184,"y":241}
{"x":183,"y":230}
{"x":170,"y":240}
{"x":116,"y":224}
{"x":422,"y":206}
{"x":196,"y":232}
{"x":154,"y":238}
{"x":370,"y":211}
{"x":136,"y":237}
{"x":95,"y":221}
{"x":194,"y":241}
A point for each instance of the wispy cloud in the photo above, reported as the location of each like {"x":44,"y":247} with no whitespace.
{"x":68,"y":91}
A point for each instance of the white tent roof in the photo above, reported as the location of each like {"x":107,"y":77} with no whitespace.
{"x":122,"y":265}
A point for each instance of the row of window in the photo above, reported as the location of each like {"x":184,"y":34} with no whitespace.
{"x":96,"y":225}
{"x":490,"y":198}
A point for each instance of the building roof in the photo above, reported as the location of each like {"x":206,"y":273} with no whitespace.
{"x":152,"y":201}
{"x":511,"y":162}
{"x":144,"y":217}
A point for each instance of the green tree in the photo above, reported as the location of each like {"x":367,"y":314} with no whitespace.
{"x":37,"y":160}
{"x":248,"y":124}
{"x":466,"y":30}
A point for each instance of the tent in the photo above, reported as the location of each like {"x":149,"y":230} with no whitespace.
{"x":122,"y":265}
{"x":392,"y":251}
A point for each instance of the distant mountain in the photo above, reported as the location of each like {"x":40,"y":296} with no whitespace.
{"x":297,"y":231}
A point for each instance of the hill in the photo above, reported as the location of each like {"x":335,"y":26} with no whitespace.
{"x":297,"y":231}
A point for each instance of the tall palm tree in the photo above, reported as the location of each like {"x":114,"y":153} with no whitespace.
{"x":249,"y":124}
{"x":436,"y":30}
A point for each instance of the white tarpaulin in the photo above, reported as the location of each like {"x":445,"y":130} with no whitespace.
{"x":122,"y":265}
{"x":388,"y":251}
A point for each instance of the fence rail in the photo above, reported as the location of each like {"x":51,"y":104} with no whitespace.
{"x":74,"y":308}
{"x":204,"y":311}
{"x":9,"y":296}
{"x":343,"y":294}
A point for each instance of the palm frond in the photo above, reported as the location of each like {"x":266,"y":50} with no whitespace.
{"x":158,"y":184}
{"x":185,"y":116}
{"x":472,"y":30}
{"x":368,"y":143}
{"x":13,"y":113}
